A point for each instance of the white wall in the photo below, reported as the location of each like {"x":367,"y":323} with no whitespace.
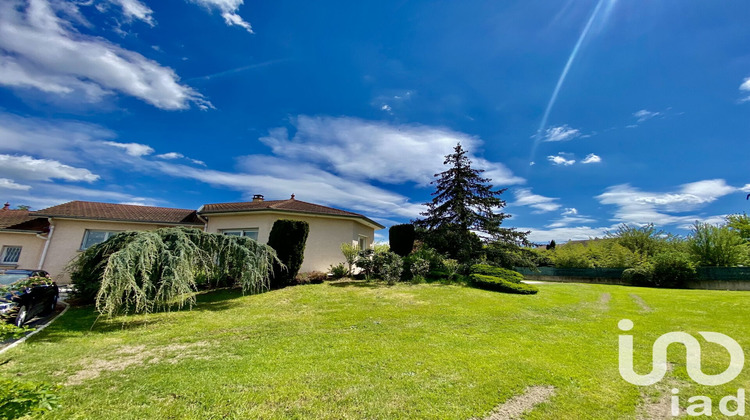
{"x":323,"y":242}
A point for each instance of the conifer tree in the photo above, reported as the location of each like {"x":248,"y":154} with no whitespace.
{"x":463,"y":203}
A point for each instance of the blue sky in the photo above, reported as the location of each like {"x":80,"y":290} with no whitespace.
{"x":591,"y":113}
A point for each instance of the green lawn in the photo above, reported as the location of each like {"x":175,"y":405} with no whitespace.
{"x":353,"y":350}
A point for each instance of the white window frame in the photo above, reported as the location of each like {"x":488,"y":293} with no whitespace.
{"x":242,"y":232}
{"x":362,"y":239}
{"x":107,"y":234}
{"x":5,"y":251}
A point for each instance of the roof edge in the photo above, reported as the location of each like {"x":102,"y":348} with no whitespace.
{"x":303,"y":213}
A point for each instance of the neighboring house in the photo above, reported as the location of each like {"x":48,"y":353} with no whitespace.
{"x":50,"y":238}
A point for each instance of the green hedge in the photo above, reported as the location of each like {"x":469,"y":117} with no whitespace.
{"x":503,"y":273}
{"x":288,"y":238}
{"x":498,"y":284}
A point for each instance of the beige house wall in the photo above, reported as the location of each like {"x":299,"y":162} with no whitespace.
{"x":67,"y":239}
{"x":323,"y":242}
{"x":31,"y":248}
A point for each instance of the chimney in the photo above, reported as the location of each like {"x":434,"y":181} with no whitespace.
{"x":292,"y":197}
{"x":257,"y":197}
{"x":6,"y":206}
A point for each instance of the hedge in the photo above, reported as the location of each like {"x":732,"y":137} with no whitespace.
{"x":288,"y":238}
{"x":401,"y":239}
{"x":498,"y":284}
{"x":503,"y":273}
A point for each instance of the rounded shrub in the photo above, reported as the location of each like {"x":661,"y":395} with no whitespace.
{"x":498,"y":284}
{"x":391,"y":268}
{"x":642,"y":275}
{"x":401,"y":239}
{"x":503,"y":273}
{"x":288,"y":238}
{"x":672,"y":270}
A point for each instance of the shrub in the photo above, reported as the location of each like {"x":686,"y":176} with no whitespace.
{"x":10,"y":331}
{"x":350,"y":252}
{"x":20,"y":399}
{"x":498,"y":284}
{"x":641,"y":275}
{"x":392,"y":266}
{"x":288,"y":238}
{"x":672,"y":269}
{"x":509,"y":255}
{"x":717,"y":245}
{"x":644,"y":240}
{"x":338,"y":271}
{"x":157,"y":269}
{"x":571,"y":256}
{"x":401,"y":239}
{"x":312,"y":277}
{"x":419,"y":269}
{"x":503,"y":273}
{"x":451,"y":267}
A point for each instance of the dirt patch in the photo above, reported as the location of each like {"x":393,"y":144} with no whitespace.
{"x":659,"y":406}
{"x":640,"y":302}
{"x":515,"y":407}
{"x":604,"y":301}
{"x":127,"y":356}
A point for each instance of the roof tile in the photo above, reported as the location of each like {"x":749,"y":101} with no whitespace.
{"x":120,"y":212}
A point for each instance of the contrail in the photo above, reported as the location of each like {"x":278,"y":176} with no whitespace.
{"x":540,"y":132}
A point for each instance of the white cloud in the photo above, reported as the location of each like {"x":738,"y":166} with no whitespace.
{"x":745,"y":87}
{"x":564,"y":234}
{"x":560,"y":160}
{"x":275,"y":177}
{"x":561,"y":133}
{"x":9,"y":184}
{"x":134,"y":9}
{"x":591,"y":158}
{"x":133,"y":149}
{"x":541,"y":204}
{"x":170,"y":156}
{"x":41,"y":50}
{"x":228,"y":9}
{"x":28,"y":168}
{"x":644,"y":115}
{"x":570,"y":211}
{"x":375,"y":150}
{"x":386,"y":108}
{"x":639,"y":207}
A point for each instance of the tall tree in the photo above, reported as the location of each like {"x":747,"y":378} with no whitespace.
{"x":463,"y":204}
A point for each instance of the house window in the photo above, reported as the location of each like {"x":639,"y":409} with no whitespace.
{"x":93,"y":237}
{"x":10,"y":254}
{"x":362,"y":243}
{"x":249,"y":233}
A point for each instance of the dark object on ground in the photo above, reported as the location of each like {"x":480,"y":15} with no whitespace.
{"x":25,"y":294}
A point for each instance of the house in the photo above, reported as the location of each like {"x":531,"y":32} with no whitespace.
{"x":49,"y":239}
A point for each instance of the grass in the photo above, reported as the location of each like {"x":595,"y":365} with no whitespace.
{"x":353,"y":350}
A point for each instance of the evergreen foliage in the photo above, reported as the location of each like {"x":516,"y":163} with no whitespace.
{"x":144,"y":271}
{"x":401,"y":238}
{"x":288,"y":238}
{"x":463,"y":203}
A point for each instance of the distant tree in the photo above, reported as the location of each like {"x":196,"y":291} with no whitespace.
{"x":644,"y":240}
{"x":551,"y":244}
{"x":464,"y":204}
{"x":740,"y":223}
{"x":23,"y":207}
{"x":717,"y":246}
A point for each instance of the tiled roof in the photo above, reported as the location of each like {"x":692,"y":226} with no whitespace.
{"x":20,"y":220}
{"x":120,"y":212}
{"x":291,"y":205}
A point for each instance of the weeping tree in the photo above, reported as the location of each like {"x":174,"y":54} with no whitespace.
{"x":145,"y":271}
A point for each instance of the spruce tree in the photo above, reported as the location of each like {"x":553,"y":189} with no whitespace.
{"x":463,"y":203}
